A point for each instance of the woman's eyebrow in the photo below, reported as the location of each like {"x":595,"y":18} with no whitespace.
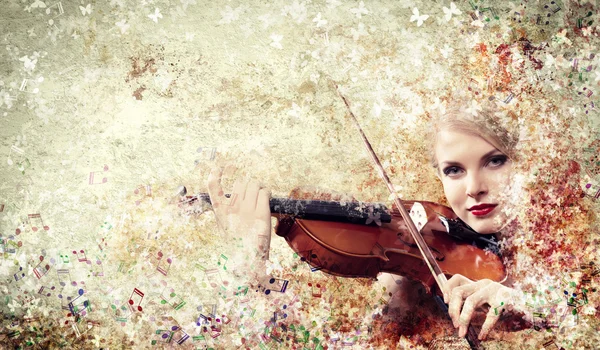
{"x":452,"y":162}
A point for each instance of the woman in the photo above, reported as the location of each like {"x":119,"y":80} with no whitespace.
{"x":472,"y":157}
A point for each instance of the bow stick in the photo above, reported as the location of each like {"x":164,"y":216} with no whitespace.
{"x":436,"y":271}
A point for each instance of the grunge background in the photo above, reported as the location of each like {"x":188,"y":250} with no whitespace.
{"x":108,"y":106}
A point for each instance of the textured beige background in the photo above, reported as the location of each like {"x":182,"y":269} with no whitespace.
{"x":137,"y":87}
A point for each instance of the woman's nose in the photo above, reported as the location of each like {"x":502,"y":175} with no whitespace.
{"x":476,"y":186}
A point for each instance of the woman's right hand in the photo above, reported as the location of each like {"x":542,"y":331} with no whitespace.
{"x":246,"y":217}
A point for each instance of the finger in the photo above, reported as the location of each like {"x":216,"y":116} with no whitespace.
{"x":457,"y":297}
{"x":471,"y":303}
{"x":239,"y":190}
{"x":491,"y":319}
{"x":455,"y":281}
{"x":214,"y":184}
{"x":251,"y":197}
{"x":263,"y":208}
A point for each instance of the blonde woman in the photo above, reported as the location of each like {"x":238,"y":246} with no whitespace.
{"x":472,"y":157}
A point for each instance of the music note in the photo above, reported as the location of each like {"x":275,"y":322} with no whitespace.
{"x":165,"y":335}
{"x":171,"y":298}
{"x":592,"y":191}
{"x":55,"y":10}
{"x":98,"y":270}
{"x":492,"y":12}
{"x":580,"y":20}
{"x":585,"y":91}
{"x":88,"y":325}
{"x":92,"y":176}
{"x":552,"y":297}
{"x":106,"y":226}
{"x":162,"y":268}
{"x":139,"y":295}
{"x":212,"y":275}
{"x":584,"y":300}
{"x":278,"y":315}
{"x":225,"y":319}
{"x":19,"y":275}
{"x":474,"y":86}
{"x":509,"y":98}
{"x":517,"y":16}
{"x":538,"y":20}
{"x":224,"y":263}
{"x":9,"y":245}
{"x":180,"y":336}
{"x":22,"y":224}
{"x":223,"y":292}
{"x":18,"y":151}
{"x":594,"y":271}
{"x":591,"y":106}
{"x":41,"y":291}
{"x":207,"y":316}
{"x":315,"y":289}
{"x":148,"y":189}
{"x":311,"y":261}
{"x":81,"y":305}
{"x":64,"y":258}
{"x":40,"y":270}
{"x":206,"y":152}
{"x":26,"y":85}
{"x":278,"y":285}
{"x":62,"y":273}
{"x":39,"y":217}
{"x":552,"y":9}
{"x":121,"y":313}
{"x":242,"y":290}
{"x":80,"y":256}
{"x":496,"y":308}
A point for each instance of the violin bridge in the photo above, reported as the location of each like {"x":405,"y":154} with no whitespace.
{"x":418,"y":215}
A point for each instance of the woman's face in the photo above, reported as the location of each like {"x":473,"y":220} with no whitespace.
{"x":474,"y":173}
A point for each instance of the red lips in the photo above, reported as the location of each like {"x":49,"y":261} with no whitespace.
{"x":481,"y":206}
{"x":482,"y":209}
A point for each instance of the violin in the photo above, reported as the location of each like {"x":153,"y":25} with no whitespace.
{"x":362,"y":240}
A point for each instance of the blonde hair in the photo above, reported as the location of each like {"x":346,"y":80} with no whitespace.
{"x":490,"y":124}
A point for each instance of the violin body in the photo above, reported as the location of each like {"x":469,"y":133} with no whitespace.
{"x":358,"y":250}
{"x":343,"y":240}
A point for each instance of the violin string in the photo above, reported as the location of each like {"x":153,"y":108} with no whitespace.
{"x":436,"y":271}
{"x":430,"y":261}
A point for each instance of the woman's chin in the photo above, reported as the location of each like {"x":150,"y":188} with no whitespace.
{"x":489,"y":224}
{"x":486,"y":226}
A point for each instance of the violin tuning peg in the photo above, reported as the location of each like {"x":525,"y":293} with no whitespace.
{"x":180,"y":191}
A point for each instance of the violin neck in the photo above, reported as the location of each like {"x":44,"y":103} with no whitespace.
{"x":351,"y":211}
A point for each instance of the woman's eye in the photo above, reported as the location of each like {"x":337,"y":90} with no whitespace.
{"x":498,"y":161}
{"x":451,"y":171}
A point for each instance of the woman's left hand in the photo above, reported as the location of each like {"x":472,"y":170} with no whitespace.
{"x":464,"y":296}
